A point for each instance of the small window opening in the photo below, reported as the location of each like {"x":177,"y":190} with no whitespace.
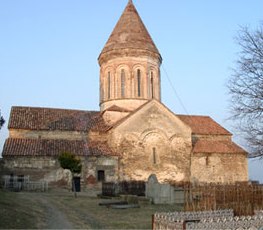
{"x":154,"y":155}
{"x":207,"y":161}
{"x":101,"y":175}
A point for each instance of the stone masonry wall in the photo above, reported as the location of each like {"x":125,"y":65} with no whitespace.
{"x":153,"y":142}
{"x":91,"y":166}
{"x":219,"y":167}
{"x":171,"y":160}
{"x":38,"y":168}
{"x":117,"y":91}
{"x":48,"y":169}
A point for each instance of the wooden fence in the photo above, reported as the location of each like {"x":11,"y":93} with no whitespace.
{"x":243,"y":198}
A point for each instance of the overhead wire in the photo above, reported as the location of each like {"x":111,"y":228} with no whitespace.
{"x":174,"y":90}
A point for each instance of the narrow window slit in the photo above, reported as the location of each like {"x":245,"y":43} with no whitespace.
{"x":154,"y":155}
{"x":139,"y":82}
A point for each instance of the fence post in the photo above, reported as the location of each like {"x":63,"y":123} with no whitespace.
{"x":184,"y":225}
{"x":153,"y":224}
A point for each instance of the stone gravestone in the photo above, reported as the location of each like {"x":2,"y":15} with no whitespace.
{"x":159,"y":193}
{"x":163,"y":193}
{"x":150,"y":187}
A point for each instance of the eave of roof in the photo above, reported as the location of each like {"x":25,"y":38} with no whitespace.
{"x":54,"y":147}
{"x":217,"y":146}
{"x":115,"y":108}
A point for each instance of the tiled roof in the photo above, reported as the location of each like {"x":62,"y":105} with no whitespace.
{"x":130,"y":32}
{"x":54,"y":147}
{"x":212,"y":146}
{"x":33,"y":118}
{"x":203,"y":125}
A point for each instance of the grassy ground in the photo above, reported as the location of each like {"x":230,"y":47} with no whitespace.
{"x":61,"y":210}
{"x":17,"y":211}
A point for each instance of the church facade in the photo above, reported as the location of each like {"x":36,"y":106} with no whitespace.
{"x":133,"y":135}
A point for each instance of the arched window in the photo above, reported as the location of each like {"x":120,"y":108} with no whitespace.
{"x":151,"y":85}
{"x":139,"y":82}
{"x":154,"y":156}
{"x":109,"y":85}
{"x":122,"y":83}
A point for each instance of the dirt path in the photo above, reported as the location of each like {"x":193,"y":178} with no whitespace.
{"x":61,"y":211}
{"x":55,"y":218}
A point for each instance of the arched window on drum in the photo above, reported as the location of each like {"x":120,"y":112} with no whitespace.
{"x":151,"y":85}
{"x":138,"y":82}
{"x":109,"y":85}
{"x":122,"y":83}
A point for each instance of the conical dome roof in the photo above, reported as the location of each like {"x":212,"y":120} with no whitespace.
{"x":129,"y":34}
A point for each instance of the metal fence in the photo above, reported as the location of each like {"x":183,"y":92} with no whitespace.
{"x":123,"y":187}
{"x":23,"y":183}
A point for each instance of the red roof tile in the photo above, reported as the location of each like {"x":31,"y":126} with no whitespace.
{"x":211,"y":146}
{"x":130,"y":33}
{"x":54,"y":147}
{"x":203,"y":125}
{"x":33,"y":118}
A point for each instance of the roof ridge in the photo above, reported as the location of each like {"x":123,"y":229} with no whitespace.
{"x":188,"y":115}
{"x":129,"y":115}
{"x":50,"y":108}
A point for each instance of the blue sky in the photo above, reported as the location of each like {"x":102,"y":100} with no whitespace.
{"x":49,"y":51}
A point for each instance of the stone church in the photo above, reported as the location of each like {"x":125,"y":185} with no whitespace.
{"x":133,"y":135}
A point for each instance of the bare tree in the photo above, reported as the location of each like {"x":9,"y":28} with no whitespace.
{"x":2,"y":120}
{"x":246,"y":89}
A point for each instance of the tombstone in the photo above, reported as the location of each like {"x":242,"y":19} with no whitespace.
{"x":152,"y":179}
{"x":159,"y":193}
{"x":163,"y":193}
{"x":151,"y":186}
